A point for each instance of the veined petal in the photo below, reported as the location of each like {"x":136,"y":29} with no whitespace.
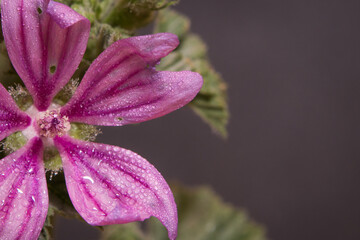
{"x":123,"y":87}
{"x":110,"y":185}
{"x":12,"y":119}
{"x":46,"y":41}
{"x":23,"y":193}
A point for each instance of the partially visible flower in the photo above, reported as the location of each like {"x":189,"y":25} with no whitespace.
{"x":46,"y":41}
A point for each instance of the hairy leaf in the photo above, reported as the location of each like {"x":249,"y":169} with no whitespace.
{"x":102,"y":36}
{"x":47,"y":231}
{"x":131,"y":14}
{"x":179,"y":24}
{"x":8,"y":75}
{"x":211,"y":103}
{"x":59,"y":198}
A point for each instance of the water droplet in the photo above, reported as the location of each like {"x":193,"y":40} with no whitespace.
{"x":88,"y":178}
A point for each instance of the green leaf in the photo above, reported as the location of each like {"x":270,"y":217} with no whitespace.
{"x":130,"y":231}
{"x":127,"y":14}
{"x":202,"y":216}
{"x":47,"y":230}
{"x":131,"y":14}
{"x":102,"y":36}
{"x":86,"y":9}
{"x":8,"y":75}
{"x":211,"y":103}
{"x":179,"y":24}
{"x":59,"y":203}
{"x":58,"y":196}
{"x":67,"y":2}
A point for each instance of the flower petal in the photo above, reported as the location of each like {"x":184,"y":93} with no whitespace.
{"x":122,"y":86}
{"x":11,"y":118}
{"x":23,"y":193}
{"x":46,"y":41}
{"x":110,"y":185}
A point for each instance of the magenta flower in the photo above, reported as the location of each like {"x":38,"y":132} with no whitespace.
{"x":46,"y":41}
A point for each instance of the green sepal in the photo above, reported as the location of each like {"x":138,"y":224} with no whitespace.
{"x":51,"y":156}
{"x":65,"y":94}
{"x":21,"y":96}
{"x":14,"y":142}
{"x":202,"y":215}
{"x":52,"y":159}
{"x":211,"y":103}
{"x":83,"y":131}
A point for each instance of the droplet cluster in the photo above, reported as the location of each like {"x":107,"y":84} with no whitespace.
{"x":23,"y":196}
{"x":108,"y":184}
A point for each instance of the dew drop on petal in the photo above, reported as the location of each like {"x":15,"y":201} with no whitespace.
{"x":88,"y":178}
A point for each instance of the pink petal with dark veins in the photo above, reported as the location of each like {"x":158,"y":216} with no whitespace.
{"x":46,"y":41}
{"x":23,"y":193}
{"x":123,"y":87}
{"x":110,"y":185}
{"x":12,"y":119}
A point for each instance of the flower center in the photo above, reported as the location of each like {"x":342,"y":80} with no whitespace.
{"x":51,"y":124}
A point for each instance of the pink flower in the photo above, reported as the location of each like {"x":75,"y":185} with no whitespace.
{"x":46,"y":41}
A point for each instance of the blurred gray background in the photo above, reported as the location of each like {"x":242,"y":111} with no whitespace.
{"x":292,"y":157}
